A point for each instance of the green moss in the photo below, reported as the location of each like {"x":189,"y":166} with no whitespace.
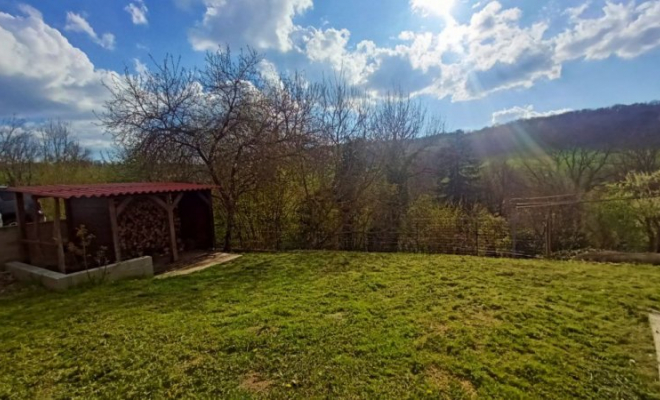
{"x":321,"y":324}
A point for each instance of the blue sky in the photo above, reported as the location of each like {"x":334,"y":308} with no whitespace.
{"x":473,"y":63}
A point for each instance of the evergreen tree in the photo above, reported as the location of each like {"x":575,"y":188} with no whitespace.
{"x":458,"y":171}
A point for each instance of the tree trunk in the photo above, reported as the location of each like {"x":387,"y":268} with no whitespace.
{"x":650,"y":234}
{"x":656,"y":223}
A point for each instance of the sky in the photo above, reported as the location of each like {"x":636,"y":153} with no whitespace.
{"x":472,"y":63}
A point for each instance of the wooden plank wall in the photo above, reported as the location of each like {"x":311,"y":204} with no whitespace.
{"x":10,"y":248}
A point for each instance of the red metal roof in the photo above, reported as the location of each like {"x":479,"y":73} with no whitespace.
{"x":107,"y":189}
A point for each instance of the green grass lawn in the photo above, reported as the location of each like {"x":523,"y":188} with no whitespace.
{"x":351,"y":325}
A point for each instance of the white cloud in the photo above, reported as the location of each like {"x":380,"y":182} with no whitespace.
{"x":140,"y":67}
{"x":77,"y":23}
{"x":440,"y":8}
{"x":269,"y":71}
{"x":138,"y":12}
{"x":263,"y":24}
{"x":574,"y":13}
{"x":625,"y":30}
{"x":327,"y":45}
{"x":43,"y":76}
{"x":492,"y":52}
{"x":524,"y":112}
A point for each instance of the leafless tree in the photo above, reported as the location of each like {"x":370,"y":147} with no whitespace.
{"x":59,"y":146}
{"x":18,"y":151}
{"x":223,"y":121}
{"x":397,"y":121}
{"x":574,"y":169}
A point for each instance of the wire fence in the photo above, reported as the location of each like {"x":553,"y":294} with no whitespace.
{"x":553,"y":226}
{"x":466,"y":236}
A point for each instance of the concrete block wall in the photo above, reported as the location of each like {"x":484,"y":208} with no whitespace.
{"x":135,"y":268}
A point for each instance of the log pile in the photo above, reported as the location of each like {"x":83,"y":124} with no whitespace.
{"x":143,"y":229}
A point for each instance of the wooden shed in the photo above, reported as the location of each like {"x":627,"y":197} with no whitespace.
{"x":122,"y":220}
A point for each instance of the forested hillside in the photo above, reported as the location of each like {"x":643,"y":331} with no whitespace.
{"x":616,"y":127}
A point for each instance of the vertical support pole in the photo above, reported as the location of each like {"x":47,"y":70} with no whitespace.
{"x":514,"y":227}
{"x":476,"y":235}
{"x":22,"y":227}
{"x":170,"y":219}
{"x":35,"y":225}
{"x":70,"y":227}
{"x":114,"y":227}
{"x":212,"y":219}
{"x":513,"y":216}
{"x":57,"y":233}
{"x":548,"y":234}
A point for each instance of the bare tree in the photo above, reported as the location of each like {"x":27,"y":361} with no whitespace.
{"x":586,"y":168}
{"x":398,"y":121}
{"x":222,"y":121}
{"x":18,"y":152}
{"x":574,"y":169}
{"x":59,"y":146}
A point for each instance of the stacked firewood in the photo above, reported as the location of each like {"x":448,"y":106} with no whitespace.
{"x":144,"y":229}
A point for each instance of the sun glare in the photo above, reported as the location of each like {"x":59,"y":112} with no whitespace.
{"x":440,"y":8}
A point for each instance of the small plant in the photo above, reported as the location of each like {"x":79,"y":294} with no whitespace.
{"x":81,"y":249}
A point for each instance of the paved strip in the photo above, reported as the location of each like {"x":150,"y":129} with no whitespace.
{"x":199,"y":266}
{"x":654,"y":319}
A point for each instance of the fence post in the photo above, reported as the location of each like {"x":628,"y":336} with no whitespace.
{"x":514,"y":218}
{"x":476,"y":236}
{"x":548,"y":234}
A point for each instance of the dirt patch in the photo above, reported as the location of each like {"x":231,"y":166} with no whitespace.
{"x":482,"y":318}
{"x":339,"y":316}
{"x":253,"y":382}
{"x":443,"y":380}
{"x":7,"y":283}
{"x":439,"y":328}
{"x":263,"y":330}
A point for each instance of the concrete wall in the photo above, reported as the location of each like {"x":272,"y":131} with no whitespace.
{"x":136,"y":268}
{"x":10,"y":245}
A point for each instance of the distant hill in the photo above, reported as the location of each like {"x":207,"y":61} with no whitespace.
{"x":619,"y":126}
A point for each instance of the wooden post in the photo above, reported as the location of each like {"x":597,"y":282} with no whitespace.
{"x":57,"y":233}
{"x":211,"y":219}
{"x":548,"y":234}
{"x":35,"y":225}
{"x":114,"y":227}
{"x":70,"y":226}
{"x":22,"y":227}
{"x":170,"y":220}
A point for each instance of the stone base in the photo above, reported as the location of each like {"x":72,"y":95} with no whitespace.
{"x":135,"y":268}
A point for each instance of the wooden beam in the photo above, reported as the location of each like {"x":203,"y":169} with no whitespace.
{"x":207,"y":200}
{"x":35,"y":224}
{"x":160,"y":202}
{"x":39,"y":242}
{"x":170,"y":220}
{"x":122,"y":206}
{"x":209,"y":203}
{"x":70,"y":226}
{"x":177,"y":199}
{"x":22,"y":227}
{"x":114,"y":227}
{"x":57,"y":233}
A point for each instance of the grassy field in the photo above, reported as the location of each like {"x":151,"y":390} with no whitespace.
{"x":327,"y":325}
